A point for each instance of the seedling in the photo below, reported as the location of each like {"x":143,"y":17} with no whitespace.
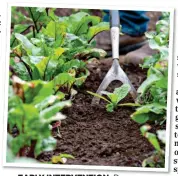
{"x":113,"y":98}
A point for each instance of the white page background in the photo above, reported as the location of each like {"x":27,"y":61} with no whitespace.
{"x":123,"y":3}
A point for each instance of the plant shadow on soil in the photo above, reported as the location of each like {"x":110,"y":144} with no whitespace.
{"x":96,"y":137}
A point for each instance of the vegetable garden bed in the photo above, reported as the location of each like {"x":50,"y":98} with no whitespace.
{"x":55,"y":69}
{"x":97,"y":137}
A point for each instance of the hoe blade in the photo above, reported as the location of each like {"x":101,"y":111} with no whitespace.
{"x":114,"y":73}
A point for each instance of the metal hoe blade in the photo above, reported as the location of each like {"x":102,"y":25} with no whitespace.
{"x":115,"y":72}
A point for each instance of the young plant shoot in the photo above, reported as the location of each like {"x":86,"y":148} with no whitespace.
{"x":113,"y":98}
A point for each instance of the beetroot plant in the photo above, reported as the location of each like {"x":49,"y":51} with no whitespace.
{"x":113,"y":98}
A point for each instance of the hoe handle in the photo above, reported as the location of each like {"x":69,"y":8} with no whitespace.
{"x":115,"y":24}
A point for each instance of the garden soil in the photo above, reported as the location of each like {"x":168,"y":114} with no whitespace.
{"x":96,"y":137}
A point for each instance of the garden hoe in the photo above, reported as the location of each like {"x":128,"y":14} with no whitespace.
{"x":115,"y":72}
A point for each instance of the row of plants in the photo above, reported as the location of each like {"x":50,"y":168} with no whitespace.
{"x":151,"y":103}
{"x":47,"y":64}
{"x":153,"y":92}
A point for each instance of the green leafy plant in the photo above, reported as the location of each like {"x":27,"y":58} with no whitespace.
{"x":152,"y":94}
{"x":115,"y":97}
{"x":32,"y":108}
{"x":150,"y":112}
{"x":47,"y":60}
{"x":29,"y":21}
{"x":10,"y":157}
{"x":57,"y":45}
{"x":157,"y":159}
{"x":158,"y":40}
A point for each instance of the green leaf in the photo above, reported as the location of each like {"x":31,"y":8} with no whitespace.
{"x":144,"y":129}
{"x":82,"y":77}
{"x":153,"y":140}
{"x":49,"y":67}
{"x":162,"y":38}
{"x":49,"y":101}
{"x":15,"y":117}
{"x":32,"y":67}
{"x":20,"y":69}
{"x":130,"y":104}
{"x":45,"y":145}
{"x":33,"y":124}
{"x":118,"y":94}
{"x":73,"y":64}
{"x":79,"y":23}
{"x":150,"y":61}
{"x":84,"y":24}
{"x":14,"y":101}
{"x":59,"y":51}
{"x":18,"y":142}
{"x":42,"y":67}
{"x":98,"y":96}
{"x":74,"y":40}
{"x":55,"y":31}
{"x":30,"y":113}
{"x":46,"y":91}
{"x":52,"y":110}
{"x":140,"y":118}
{"x":148,"y":112}
{"x":110,"y":107}
{"x":31,"y":90}
{"x":18,"y":28}
{"x":151,"y":79}
{"x":9,"y":156}
{"x":154,"y":107}
{"x":64,"y":155}
{"x":36,"y":91}
{"x":122,"y":92}
{"x":162,"y":49}
{"x":17,"y":16}
{"x":35,"y":59}
{"x":18,"y":50}
{"x":162,"y":83}
{"x":113,"y":97}
{"x":150,"y":34}
{"x":90,"y":53}
{"x":27,"y":45}
{"x":93,"y":31}
{"x":63,"y":79}
{"x":57,"y":117}
{"x":37,"y":16}
{"x":159,"y":95}
{"x":162,"y":26}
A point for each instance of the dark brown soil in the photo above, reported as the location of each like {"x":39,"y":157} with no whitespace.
{"x":96,"y":137}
